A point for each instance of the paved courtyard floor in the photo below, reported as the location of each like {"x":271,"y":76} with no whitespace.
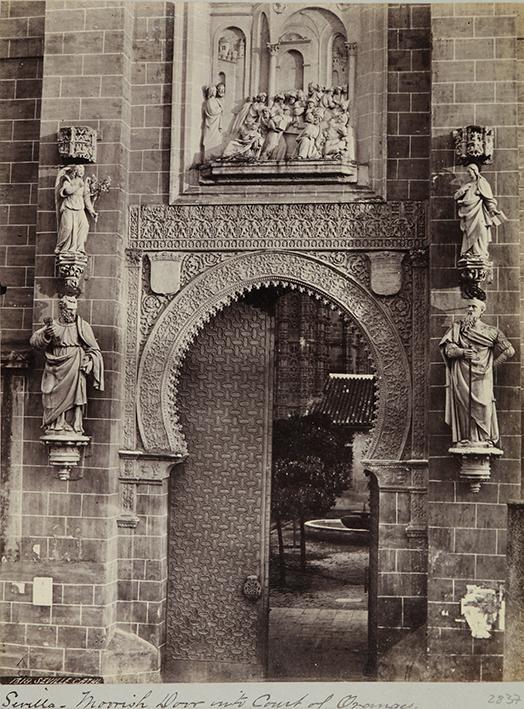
{"x":317,"y":644}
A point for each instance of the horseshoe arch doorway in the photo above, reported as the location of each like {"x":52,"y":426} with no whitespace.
{"x":219,"y":510}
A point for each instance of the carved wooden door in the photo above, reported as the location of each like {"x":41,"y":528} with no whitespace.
{"x":219,"y":503}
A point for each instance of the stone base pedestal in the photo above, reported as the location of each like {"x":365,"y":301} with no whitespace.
{"x":475,"y":462}
{"x":64,"y":448}
{"x":279,"y":171}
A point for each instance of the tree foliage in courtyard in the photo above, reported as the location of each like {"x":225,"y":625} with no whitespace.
{"x":311,"y":467}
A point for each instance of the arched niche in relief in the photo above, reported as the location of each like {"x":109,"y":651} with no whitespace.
{"x":291,"y":71}
{"x":339,"y":61}
{"x":311,"y":31}
{"x":230,"y":68}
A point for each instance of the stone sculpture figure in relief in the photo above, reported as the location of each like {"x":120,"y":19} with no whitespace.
{"x":73,"y":199}
{"x":471,"y":349}
{"x":478,"y":213}
{"x":302,"y":125}
{"x":212,"y":119}
{"x":71,"y":354}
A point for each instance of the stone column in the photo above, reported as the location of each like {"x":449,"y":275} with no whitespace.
{"x":352,"y":48}
{"x":273,"y":49}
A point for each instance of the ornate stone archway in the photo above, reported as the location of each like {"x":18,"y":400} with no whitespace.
{"x":188,"y":312}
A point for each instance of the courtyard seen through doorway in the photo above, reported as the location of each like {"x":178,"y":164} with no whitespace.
{"x":323,"y":405}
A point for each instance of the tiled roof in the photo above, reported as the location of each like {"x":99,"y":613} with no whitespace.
{"x":348,"y":399}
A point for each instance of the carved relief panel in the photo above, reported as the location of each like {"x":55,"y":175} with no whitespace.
{"x":275,"y":86}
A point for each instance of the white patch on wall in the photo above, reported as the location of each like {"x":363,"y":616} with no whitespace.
{"x":482,"y":607}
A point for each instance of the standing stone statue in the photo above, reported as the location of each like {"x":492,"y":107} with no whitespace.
{"x":478,"y":213}
{"x":212,"y":115}
{"x":471,"y":349}
{"x":72,"y":199}
{"x":71,"y":354}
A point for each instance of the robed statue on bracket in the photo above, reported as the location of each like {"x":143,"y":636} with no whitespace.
{"x":73,"y":199}
{"x":71,"y":354}
{"x":478,"y":214}
{"x":471,"y":349}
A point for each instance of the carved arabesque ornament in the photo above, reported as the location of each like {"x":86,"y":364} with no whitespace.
{"x":220,"y":285}
{"x":235,"y":227}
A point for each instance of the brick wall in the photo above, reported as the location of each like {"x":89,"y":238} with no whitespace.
{"x":69,"y":528}
{"x":151,"y":77}
{"x":409,"y":85}
{"x":520,"y":123}
{"x":21,"y":36}
{"x":473,"y":74}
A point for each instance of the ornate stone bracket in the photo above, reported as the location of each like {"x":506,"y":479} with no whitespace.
{"x":475,"y":462}
{"x":140,"y":468}
{"x":474,"y":144}
{"x":77,"y":144}
{"x":473,"y":271}
{"x":64,"y":451}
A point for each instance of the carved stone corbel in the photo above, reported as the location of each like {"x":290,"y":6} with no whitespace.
{"x":65,"y":452}
{"x":140,"y":468}
{"x":77,"y":144}
{"x":475,"y":462}
{"x":474,"y":144}
{"x":69,"y":267}
{"x":474,"y":270}
{"x":137,"y":466}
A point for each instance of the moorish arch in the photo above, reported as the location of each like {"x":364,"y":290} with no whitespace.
{"x":217,"y":287}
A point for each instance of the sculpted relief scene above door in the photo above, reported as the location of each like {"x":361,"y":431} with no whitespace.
{"x":279,"y":93}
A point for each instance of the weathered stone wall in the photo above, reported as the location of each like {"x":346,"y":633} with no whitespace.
{"x":409,"y":85}
{"x":22,"y":29}
{"x":109,"y":65}
{"x":151,"y":88}
{"x":68,"y":529}
{"x":473,"y":82}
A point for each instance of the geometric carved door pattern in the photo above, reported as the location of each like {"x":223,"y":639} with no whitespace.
{"x":219,"y":502}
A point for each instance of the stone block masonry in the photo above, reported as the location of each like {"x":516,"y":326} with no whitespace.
{"x":21,"y":44}
{"x":474,"y":70}
{"x":409,"y":86}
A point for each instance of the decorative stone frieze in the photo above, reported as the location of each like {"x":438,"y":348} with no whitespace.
{"x":363,"y":225}
{"x":77,"y":144}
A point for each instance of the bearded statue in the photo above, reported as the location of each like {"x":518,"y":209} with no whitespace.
{"x":471,"y":349}
{"x":71,"y":355}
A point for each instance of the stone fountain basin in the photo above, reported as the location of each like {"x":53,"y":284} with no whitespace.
{"x":336,"y":529}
